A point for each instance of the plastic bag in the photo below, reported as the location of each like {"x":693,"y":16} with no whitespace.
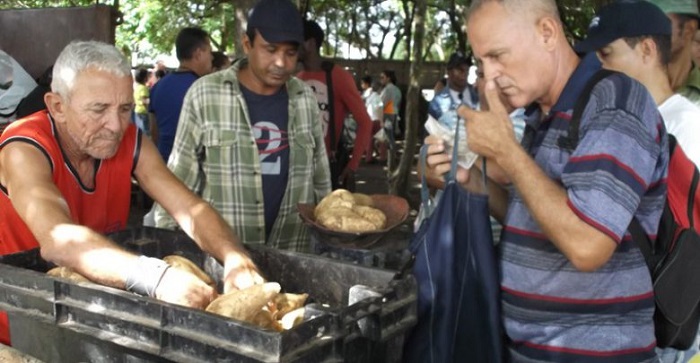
{"x":445,"y":129}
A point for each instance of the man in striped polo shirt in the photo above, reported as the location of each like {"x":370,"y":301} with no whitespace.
{"x":574,"y":286}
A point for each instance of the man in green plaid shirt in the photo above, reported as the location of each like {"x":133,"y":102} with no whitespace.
{"x":249,"y":140}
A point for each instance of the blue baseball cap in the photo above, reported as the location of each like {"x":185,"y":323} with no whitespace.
{"x":624,"y":19}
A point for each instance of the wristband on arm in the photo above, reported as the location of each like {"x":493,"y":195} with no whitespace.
{"x":145,"y":275}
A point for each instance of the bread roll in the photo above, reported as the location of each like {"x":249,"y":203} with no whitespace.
{"x":345,"y":220}
{"x":373,"y":215}
{"x":187,"y":265}
{"x":349,"y":212}
{"x":265,"y":320}
{"x":338,"y":198}
{"x":67,"y":273}
{"x":363,"y":199}
{"x":244,"y":304}
{"x":284,"y":303}
{"x":292,"y":319}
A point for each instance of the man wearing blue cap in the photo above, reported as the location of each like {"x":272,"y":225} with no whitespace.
{"x":684,"y":16}
{"x":250,"y":141}
{"x":642,"y":50}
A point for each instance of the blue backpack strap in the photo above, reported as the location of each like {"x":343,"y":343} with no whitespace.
{"x":570,"y":141}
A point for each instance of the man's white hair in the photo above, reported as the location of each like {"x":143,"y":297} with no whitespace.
{"x":81,"y":55}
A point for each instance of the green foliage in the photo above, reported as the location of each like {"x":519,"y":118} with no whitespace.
{"x":377,"y":29}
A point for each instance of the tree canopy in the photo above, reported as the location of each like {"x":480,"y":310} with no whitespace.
{"x":366,"y":29}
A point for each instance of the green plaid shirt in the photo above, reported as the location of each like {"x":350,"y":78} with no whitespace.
{"x":216,"y":156}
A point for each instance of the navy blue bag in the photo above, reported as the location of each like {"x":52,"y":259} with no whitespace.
{"x":458,"y":286}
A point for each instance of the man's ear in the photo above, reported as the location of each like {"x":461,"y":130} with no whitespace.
{"x":648,"y":49}
{"x":547,"y":29}
{"x":201,"y":54}
{"x":247,"y":44}
{"x":55,"y":105}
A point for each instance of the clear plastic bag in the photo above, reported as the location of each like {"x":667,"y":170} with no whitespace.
{"x":444,"y":129}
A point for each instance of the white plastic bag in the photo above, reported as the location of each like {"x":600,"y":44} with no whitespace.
{"x":437,"y":128}
{"x":380,"y":136}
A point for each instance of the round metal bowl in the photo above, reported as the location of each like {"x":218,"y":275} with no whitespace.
{"x":395,"y":208}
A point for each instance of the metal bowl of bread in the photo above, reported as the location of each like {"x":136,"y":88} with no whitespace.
{"x":353,"y":220}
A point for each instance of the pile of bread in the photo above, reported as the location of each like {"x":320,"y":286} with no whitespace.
{"x":261,"y":305}
{"x":349,"y":212}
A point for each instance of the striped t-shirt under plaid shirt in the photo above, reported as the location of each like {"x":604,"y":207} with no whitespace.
{"x":215,"y":155}
{"x":552,"y":311}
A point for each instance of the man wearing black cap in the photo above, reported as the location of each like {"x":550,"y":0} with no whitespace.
{"x":335,"y":104}
{"x":642,"y":50}
{"x":458,"y":91}
{"x":250,"y":141}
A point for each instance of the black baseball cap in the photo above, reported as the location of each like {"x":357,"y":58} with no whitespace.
{"x":278,"y":21}
{"x":457,"y":59}
{"x":624,"y":19}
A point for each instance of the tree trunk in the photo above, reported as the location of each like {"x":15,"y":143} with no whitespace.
{"x":242,"y":7}
{"x":399,"y":181}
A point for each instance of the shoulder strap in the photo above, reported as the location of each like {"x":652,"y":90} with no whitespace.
{"x":570,"y":141}
{"x":645,"y":244}
{"x":327,"y":67}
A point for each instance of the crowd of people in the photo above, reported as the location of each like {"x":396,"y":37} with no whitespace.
{"x":241,"y":142}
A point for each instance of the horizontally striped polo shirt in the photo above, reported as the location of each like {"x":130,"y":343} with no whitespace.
{"x":552,"y":311}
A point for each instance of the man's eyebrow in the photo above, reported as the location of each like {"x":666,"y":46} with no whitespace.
{"x":494,"y":52}
{"x":97,"y":104}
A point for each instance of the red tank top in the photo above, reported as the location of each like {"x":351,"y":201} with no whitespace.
{"x":105,"y":208}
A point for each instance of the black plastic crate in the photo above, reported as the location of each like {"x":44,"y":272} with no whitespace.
{"x":389,"y":252}
{"x":89,"y":322}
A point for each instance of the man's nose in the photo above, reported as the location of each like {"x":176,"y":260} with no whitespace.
{"x":279,"y":59}
{"x":491,"y":70}
{"x":113,"y":121}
